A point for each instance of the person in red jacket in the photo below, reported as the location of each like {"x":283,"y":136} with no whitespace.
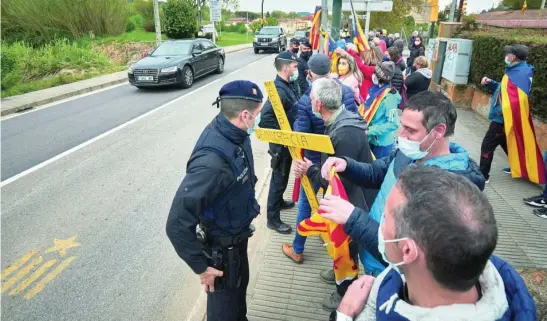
{"x":366,"y":62}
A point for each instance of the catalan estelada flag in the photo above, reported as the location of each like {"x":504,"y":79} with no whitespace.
{"x":523,"y":152}
{"x":315,"y":31}
{"x":344,"y":266}
{"x":369,"y":113}
{"x":359,"y":39}
{"x":329,"y":48}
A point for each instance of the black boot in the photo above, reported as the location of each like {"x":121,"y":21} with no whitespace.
{"x":285,"y":205}
{"x":280,"y":227}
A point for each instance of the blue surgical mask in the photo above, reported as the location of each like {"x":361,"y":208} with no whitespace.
{"x":294,"y":77}
{"x":316,"y":113}
{"x":507,"y":61}
{"x":250,"y":131}
{"x":382,"y":247}
{"x":411,"y":149}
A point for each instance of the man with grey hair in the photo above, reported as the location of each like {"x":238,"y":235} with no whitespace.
{"x":439,"y":231}
{"x":349,"y":139}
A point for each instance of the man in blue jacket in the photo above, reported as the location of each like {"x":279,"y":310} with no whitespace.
{"x":428,"y":121}
{"x":306,"y":122}
{"x":439,"y":231}
{"x":515,"y":57}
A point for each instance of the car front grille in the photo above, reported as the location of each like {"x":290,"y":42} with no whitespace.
{"x":146,"y":72}
{"x":264,"y":39}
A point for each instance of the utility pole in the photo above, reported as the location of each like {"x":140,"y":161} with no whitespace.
{"x":453,"y":10}
{"x":157,"y":24}
{"x":540,"y":15}
{"x":336,"y":15}
{"x":367,"y":23}
{"x":460,"y":11}
{"x":324,"y":21}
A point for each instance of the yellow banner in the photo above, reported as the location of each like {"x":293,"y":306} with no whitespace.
{"x":318,"y":143}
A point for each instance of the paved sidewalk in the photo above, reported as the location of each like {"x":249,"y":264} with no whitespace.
{"x":34,"y":99}
{"x":285,"y":291}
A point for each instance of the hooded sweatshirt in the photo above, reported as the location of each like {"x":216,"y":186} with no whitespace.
{"x":349,"y":139}
{"x":418,"y":81}
{"x":504,"y":297}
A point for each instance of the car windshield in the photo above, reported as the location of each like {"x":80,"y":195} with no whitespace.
{"x":269,"y":31}
{"x":301,"y":33}
{"x":172,"y":49}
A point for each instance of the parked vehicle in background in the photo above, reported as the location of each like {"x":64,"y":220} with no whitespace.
{"x":270,"y":38}
{"x":301,"y":35}
{"x":177,"y":62}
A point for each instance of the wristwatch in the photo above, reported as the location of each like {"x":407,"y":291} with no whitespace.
{"x":339,"y":316}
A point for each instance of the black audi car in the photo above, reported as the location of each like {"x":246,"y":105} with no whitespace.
{"x":177,"y":62}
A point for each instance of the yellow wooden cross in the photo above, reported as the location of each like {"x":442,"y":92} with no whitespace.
{"x":293,"y":140}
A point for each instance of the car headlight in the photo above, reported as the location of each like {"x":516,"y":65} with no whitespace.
{"x":274,"y":40}
{"x":169,"y":69}
{"x":130,"y":69}
{"x":256,"y":39}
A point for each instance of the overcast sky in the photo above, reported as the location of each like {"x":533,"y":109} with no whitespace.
{"x":473,"y":6}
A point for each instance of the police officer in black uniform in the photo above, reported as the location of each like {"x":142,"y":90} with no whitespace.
{"x":285,"y":83}
{"x":210,"y":219}
{"x":303,"y":68}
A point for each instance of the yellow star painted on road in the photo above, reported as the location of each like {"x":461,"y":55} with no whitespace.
{"x":63,"y":245}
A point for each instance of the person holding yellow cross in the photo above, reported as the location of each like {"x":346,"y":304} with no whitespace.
{"x":347,"y":131}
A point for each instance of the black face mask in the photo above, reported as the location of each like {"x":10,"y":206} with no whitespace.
{"x":295,"y":50}
{"x":306,"y":54}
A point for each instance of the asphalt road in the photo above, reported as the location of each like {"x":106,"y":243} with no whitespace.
{"x":32,"y":138}
{"x":111,"y":197}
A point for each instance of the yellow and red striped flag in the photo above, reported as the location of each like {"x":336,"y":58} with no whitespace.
{"x":524,"y":6}
{"x":315,"y":31}
{"x":344,"y":266}
{"x":359,"y":39}
{"x":523,"y":151}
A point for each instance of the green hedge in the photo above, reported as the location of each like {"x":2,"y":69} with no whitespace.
{"x":488,"y":60}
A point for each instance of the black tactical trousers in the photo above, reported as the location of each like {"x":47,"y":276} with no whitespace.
{"x":281,"y":169}
{"x":495,"y":136}
{"x":230,"y":304}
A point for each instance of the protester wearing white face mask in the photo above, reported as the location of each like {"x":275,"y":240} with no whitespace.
{"x":439,"y":232}
{"x":427,"y":123}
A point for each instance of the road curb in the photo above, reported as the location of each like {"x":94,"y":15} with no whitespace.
{"x":74,"y":92}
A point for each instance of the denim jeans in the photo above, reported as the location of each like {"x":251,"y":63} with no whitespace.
{"x":381,"y":151}
{"x":304,"y":212}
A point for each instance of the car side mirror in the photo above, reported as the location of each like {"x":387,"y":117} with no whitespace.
{"x":149,"y":52}
{"x":256,"y":33}
{"x":196,"y":52}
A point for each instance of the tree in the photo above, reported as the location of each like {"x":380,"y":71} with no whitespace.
{"x":444,"y":15}
{"x":244,"y":14}
{"x":517,"y":4}
{"x":255,"y":26}
{"x":394,"y":20}
{"x":268,"y":14}
{"x":271,"y":21}
{"x":180,"y":19}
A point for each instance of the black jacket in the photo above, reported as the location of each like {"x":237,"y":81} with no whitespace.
{"x":397,"y":80}
{"x":417,"y":82}
{"x":302,"y":82}
{"x":415,"y":52}
{"x":289,"y":97}
{"x":207,"y":177}
{"x":349,"y":139}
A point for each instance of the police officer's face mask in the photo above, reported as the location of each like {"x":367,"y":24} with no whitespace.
{"x":251,"y":130}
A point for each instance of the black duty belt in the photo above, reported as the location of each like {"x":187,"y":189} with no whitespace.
{"x":233,"y":240}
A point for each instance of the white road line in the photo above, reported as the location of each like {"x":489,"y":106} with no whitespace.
{"x":55,"y":103}
{"x":115,"y":129}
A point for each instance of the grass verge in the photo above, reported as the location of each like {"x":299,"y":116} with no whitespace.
{"x":26,"y":69}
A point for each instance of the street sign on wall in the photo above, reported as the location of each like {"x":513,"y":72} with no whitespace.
{"x":216,"y":10}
